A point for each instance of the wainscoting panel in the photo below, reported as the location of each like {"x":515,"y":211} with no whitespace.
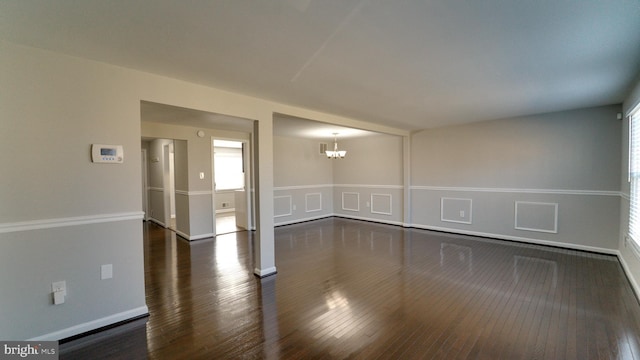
{"x":351,"y":201}
{"x":313,"y":202}
{"x":456,"y":210}
{"x":282,"y":206}
{"x":299,"y":203}
{"x":587,"y":220}
{"x":536,"y":216}
{"x":381,"y":204}
{"x":82,"y":244}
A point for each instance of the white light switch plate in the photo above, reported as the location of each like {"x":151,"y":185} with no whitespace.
{"x":59,"y":286}
{"x":106,"y":271}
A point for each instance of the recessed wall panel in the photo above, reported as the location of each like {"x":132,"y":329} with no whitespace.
{"x":455,"y":210}
{"x":351,"y":201}
{"x":282,"y":206}
{"x":381,"y":204}
{"x":536,"y":216}
{"x":313,"y":202}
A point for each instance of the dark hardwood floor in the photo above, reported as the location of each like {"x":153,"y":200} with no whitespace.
{"x":352,"y":289}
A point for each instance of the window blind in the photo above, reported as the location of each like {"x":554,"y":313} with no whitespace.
{"x":634,"y":176}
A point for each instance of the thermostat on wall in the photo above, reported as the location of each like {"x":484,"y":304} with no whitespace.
{"x":107,"y":154}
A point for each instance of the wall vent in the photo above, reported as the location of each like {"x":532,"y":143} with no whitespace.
{"x":323,"y":148}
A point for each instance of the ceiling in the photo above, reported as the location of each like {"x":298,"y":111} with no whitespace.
{"x":409,"y":64}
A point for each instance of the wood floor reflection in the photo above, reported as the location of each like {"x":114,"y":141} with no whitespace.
{"x":352,"y":289}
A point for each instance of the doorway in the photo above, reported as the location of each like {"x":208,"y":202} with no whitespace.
{"x":159,"y":192}
{"x":230,"y":178}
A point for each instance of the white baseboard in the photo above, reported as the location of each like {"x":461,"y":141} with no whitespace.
{"x":154,"y":220}
{"x":520,"y":239}
{"x":194,"y":237}
{"x":92,"y":325}
{"x":382,"y":221}
{"x":201,"y":236}
{"x":265,"y":272}
{"x":303,"y":220}
{"x":632,"y":280}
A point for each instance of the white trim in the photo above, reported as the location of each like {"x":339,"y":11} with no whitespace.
{"x":92,"y":325}
{"x":289,"y":222}
{"x":290,"y":206}
{"x":382,"y":212}
{"x":264,"y":272}
{"x":515,"y":190}
{"x":159,"y":222}
{"x":519,"y":239}
{"x":627,"y":270}
{"x":555,"y":220}
{"x":442,"y":199}
{"x":193,"y":193}
{"x":399,"y":187}
{"x":625,"y":196}
{"x":351,"y":193}
{"x":300,"y":187}
{"x":200,"y":192}
{"x":195,"y":237}
{"x":156,"y":189}
{"x":225,"y":210}
{"x":377,"y":220}
{"x":631,"y":243}
{"x":306,"y":202}
{"x":70,"y":221}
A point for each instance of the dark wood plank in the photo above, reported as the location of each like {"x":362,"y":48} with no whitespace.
{"x":352,"y":289}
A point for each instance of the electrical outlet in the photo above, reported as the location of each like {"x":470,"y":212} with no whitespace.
{"x":294,"y":207}
{"x":461,"y":213}
{"x":59,"y":286}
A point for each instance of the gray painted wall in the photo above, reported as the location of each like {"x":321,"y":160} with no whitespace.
{"x":370,"y":160}
{"x":569,"y":160}
{"x":297,"y":161}
{"x":62,"y":216}
{"x":576,"y":150}
{"x":303,"y":180}
{"x":372,"y":173}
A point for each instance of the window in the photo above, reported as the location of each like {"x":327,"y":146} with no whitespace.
{"x":634,"y":176}
{"x":228,"y":165}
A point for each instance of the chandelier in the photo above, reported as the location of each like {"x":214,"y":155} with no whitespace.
{"x":335,"y":154}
